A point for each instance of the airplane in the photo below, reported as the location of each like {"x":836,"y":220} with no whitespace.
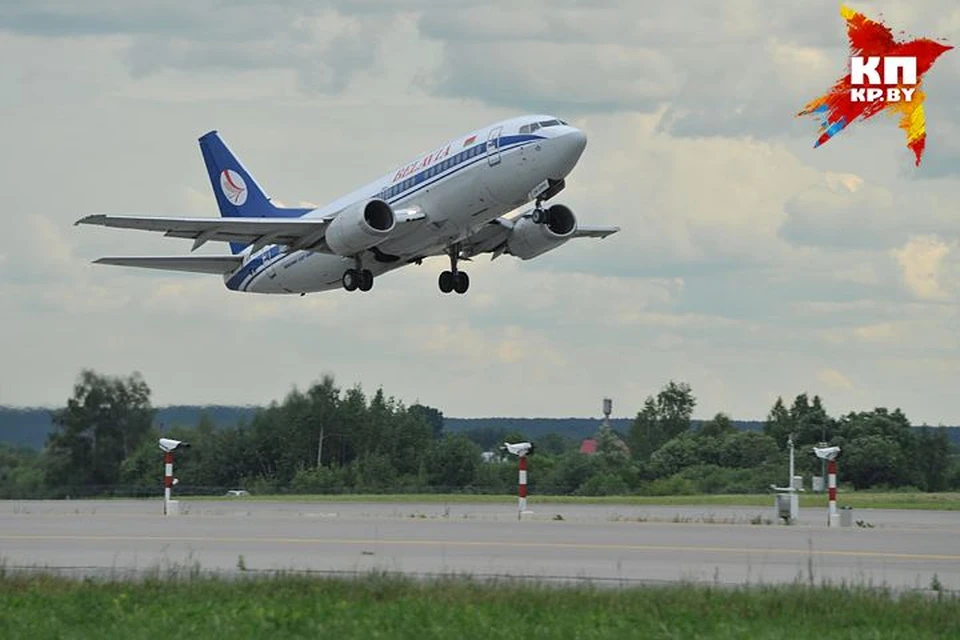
{"x":452,"y":200}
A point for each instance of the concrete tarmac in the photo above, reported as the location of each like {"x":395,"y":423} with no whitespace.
{"x":606,"y":544}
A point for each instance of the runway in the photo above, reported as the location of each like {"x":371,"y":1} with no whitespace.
{"x":606,"y":544}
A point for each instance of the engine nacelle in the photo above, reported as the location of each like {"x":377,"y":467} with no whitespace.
{"x":529,"y":239}
{"x":360,"y":227}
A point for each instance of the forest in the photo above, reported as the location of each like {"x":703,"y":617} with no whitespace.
{"x":328,"y":439}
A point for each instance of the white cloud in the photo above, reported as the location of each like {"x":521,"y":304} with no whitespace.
{"x":834,"y":379}
{"x":884,"y":332}
{"x":921,"y":260}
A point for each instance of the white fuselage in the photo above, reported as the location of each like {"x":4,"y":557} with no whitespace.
{"x":459,"y":187}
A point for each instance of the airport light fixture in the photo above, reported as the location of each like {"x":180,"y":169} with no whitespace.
{"x":521,"y":450}
{"x":168,"y":446}
{"x":830,"y":455}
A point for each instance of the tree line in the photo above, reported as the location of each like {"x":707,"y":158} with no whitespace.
{"x":326,"y":439}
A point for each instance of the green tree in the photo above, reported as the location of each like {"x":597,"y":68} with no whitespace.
{"x":430,"y":415}
{"x":452,"y":462}
{"x":873,"y":460}
{"x":645,"y":435}
{"x":675,"y":404}
{"x":933,"y":450}
{"x":553,"y":444}
{"x":104,"y":422}
{"x":747,"y":450}
{"x":680,"y":452}
{"x":610,"y":446}
{"x":661,"y":419}
{"x":779,"y":424}
{"x":811,"y":422}
{"x":720,"y":426}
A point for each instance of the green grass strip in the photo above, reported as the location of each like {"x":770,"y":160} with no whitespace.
{"x":385,"y":606}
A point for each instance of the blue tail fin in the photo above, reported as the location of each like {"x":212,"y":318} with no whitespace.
{"x":238,"y":194}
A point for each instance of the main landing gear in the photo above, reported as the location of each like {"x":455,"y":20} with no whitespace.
{"x":454,"y":280}
{"x":358,"y":278}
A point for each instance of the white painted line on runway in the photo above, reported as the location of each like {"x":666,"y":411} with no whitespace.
{"x":484,"y":543}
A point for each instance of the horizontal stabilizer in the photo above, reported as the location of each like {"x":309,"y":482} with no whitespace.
{"x":193,"y":264}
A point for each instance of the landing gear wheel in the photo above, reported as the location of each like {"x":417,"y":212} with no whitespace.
{"x":351,"y":279}
{"x":540,"y":215}
{"x":365,"y":282}
{"x":461,"y":282}
{"x":446,"y":281}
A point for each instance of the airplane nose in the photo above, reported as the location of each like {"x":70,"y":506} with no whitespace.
{"x":570,"y":146}
{"x":577,"y":140}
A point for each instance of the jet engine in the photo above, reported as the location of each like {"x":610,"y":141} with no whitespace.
{"x":359,"y":227}
{"x":529,"y":239}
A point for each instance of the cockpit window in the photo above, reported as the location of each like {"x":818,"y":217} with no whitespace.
{"x":530,"y":128}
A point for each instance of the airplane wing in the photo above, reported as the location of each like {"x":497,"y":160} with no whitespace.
{"x":297,"y":233}
{"x":595,"y":232}
{"x":191,"y":264}
{"x":494,"y":237}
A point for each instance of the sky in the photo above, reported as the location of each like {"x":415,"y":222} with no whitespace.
{"x":749,"y":265}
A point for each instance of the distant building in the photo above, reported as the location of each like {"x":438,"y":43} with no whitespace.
{"x":613,"y":442}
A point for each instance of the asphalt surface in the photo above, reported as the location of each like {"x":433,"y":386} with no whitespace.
{"x":606,"y":544}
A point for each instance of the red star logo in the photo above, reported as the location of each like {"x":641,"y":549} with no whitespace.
{"x":839,"y":106}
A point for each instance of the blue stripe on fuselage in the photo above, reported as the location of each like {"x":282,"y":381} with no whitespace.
{"x":416,"y":182}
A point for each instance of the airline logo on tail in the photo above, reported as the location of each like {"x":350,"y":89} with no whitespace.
{"x":233,"y":187}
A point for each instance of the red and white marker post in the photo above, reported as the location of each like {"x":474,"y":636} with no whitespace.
{"x":168,"y":446}
{"x":521,"y":450}
{"x":167,"y":480}
{"x":522,"y":489}
{"x":833,"y":516}
{"x":830,"y":455}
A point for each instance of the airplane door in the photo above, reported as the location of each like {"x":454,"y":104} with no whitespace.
{"x":493,"y":147}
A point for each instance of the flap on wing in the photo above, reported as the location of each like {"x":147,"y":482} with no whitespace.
{"x":492,"y":237}
{"x":192,"y":264}
{"x":297,"y":233}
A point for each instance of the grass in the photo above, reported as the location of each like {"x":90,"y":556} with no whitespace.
{"x":857,"y":500}
{"x":388,"y":606}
